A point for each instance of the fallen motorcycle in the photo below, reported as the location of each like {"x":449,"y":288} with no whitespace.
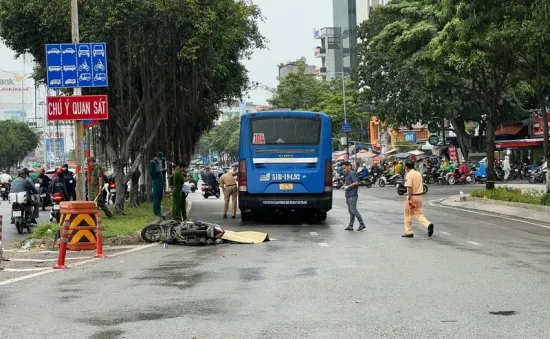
{"x":189,"y":232}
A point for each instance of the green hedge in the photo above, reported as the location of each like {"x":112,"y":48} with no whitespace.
{"x":534,"y":197}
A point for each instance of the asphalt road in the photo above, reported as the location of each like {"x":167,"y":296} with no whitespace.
{"x":479,"y":276}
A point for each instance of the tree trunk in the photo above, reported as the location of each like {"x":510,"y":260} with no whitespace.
{"x":144,"y":187}
{"x":463,"y":138}
{"x":542,"y":104}
{"x":490,"y":141}
{"x":135,"y":200}
{"x":120,"y":187}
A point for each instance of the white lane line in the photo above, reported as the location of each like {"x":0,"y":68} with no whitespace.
{"x":26,"y":269}
{"x":46,"y":260}
{"x":435,"y":203}
{"x":323,"y":244}
{"x":446,"y":233}
{"x":313,"y":233}
{"x":474,"y":243}
{"x":37,"y":274}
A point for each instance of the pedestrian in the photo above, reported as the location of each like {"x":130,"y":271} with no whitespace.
{"x":176,"y":181}
{"x":156,"y":171}
{"x":506,"y":167}
{"x":96,"y":186}
{"x":413,"y":202}
{"x":229,"y":187}
{"x":351,"y":187}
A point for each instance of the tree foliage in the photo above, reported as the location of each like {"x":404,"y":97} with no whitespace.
{"x":168,"y":70}
{"x":18,"y":140}
{"x":464,"y":61}
{"x":223,"y":138}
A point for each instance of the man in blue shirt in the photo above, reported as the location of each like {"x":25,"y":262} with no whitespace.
{"x":352,"y":187}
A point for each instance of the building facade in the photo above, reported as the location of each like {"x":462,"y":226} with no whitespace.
{"x":290,"y":67}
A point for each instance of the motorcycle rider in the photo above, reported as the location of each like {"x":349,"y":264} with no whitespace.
{"x":44,"y":182}
{"x":463,"y":170}
{"x":22,"y":184}
{"x":59,"y":184}
{"x":70,"y":182}
{"x":5,"y":178}
{"x":209,"y":178}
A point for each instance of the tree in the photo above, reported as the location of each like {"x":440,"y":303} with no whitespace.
{"x":298,"y":90}
{"x":168,"y":70}
{"x":223,"y":138}
{"x":18,"y":140}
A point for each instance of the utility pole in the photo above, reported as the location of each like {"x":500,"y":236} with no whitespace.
{"x":79,"y":131}
{"x":345,"y":111}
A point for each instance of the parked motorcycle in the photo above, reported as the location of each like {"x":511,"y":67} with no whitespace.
{"x":112,"y":193}
{"x":55,"y":213}
{"x":5,"y":191}
{"x":21,"y":211}
{"x":192,"y":233}
{"x":209,"y":191}
{"x":337,"y":180}
{"x":401,"y":189}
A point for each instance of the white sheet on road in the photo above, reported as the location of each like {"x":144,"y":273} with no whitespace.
{"x":245,"y":237}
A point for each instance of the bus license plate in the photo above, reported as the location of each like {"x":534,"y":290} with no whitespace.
{"x":286,"y":187}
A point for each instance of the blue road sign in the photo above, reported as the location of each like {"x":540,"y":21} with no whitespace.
{"x":346,"y":127}
{"x":76,"y":65}
{"x":410,"y":136}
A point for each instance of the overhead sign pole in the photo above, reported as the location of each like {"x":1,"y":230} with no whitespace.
{"x":79,"y":131}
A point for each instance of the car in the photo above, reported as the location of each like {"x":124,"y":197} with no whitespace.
{"x":70,"y":82}
{"x":55,"y":82}
{"x":54,"y":51}
{"x":83,"y":50}
{"x":85,"y":77}
{"x":98,"y":50}
{"x":69,"y":51}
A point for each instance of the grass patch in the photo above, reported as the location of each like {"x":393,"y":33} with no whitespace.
{"x":534,"y":197}
{"x":134,"y":220}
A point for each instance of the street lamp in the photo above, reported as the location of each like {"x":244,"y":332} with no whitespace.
{"x":344,"y":104}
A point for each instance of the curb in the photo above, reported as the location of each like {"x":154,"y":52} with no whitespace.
{"x":442,"y":202}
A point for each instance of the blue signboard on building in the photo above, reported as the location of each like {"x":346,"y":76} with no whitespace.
{"x":410,"y":136}
{"x":76,"y":65}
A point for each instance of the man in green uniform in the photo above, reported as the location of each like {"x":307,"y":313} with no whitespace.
{"x":97,"y":187}
{"x":155,"y":171}
{"x":176,"y":182}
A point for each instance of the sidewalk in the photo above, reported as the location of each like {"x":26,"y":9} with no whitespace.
{"x":502,"y":208}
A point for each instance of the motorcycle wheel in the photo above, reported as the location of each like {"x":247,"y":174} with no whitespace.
{"x":473,"y":180}
{"x":424,"y":189}
{"x":452,"y":181}
{"x":368,"y":183}
{"x":19,"y":227}
{"x":381,"y":182}
{"x":217,"y":195}
{"x":431,"y":180}
{"x":151,"y":233}
{"x":531,"y":180}
{"x":440,"y":181}
{"x":400,"y":191}
{"x":205,"y":196}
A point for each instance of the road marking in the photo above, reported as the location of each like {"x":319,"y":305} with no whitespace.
{"x":436,"y":203}
{"x":46,"y":260}
{"x":474,"y":243}
{"x":313,"y":233}
{"x":323,"y":244}
{"x":447,"y":233}
{"x":26,"y":269}
{"x":37,"y":274}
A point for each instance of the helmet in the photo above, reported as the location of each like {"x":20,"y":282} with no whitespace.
{"x":41,"y":171}
{"x":59,"y":171}
{"x":23,"y":171}
{"x":65,"y":166}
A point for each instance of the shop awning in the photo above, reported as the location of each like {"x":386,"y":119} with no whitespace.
{"x":508,"y":129}
{"x":518,"y":143}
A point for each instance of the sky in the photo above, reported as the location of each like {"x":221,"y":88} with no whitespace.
{"x":288,"y":26}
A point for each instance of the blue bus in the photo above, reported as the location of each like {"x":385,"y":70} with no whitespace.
{"x":285,"y":163}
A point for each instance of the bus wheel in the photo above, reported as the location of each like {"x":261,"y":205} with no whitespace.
{"x":322,"y":215}
{"x":246,"y":216}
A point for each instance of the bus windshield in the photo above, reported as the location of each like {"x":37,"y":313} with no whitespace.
{"x":285,"y":130}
